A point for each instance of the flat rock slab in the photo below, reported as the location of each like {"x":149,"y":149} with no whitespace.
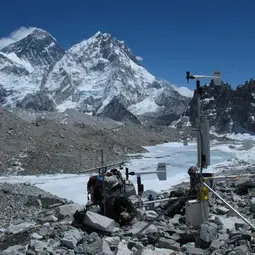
{"x":222,"y":210}
{"x":99,"y":222}
{"x":13,"y":250}
{"x":140,"y":225}
{"x":158,"y":252}
{"x":168,"y":244}
{"x":193,"y":250}
{"x":15,"y":229}
{"x":68,"y":210}
{"x":50,"y":218}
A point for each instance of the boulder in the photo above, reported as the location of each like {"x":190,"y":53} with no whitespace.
{"x":241,"y":250}
{"x":99,"y":222}
{"x":13,"y":250}
{"x":132,"y":244}
{"x":216,"y":244}
{"x":222,"y":210}
{"x":79,"y":249}
{"x":175,"y":220}
{"x":223,"y":237}
{"x":50,"y":218}
{"x":105,"y":249}
{"x":168,"y":244}
{"x":36,"y":236}
{"x":236,"y":198}
{"x":252,"y":205}
{"x":140,"y":225}
{"x":150,"y":215}
{"x":93,"y":248}
{"x":193,"y":250}
{"x":38,"y":246}
{"x":243,"y":184}
{"x":123,"y":249}
{"x":68,"y":210}
{"x":53,"y":244}
{"x":208,"y":233}
{"x":219,"y":252}
{"x":113,"y":241}
{"x":71,"y":238}
{"x":140,"y":214}
{"x":92,"y":238}
{"x":15,"y":229}
{"x":157,"y":251}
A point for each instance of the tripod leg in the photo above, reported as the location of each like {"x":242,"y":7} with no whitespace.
{"x":228,"y":205}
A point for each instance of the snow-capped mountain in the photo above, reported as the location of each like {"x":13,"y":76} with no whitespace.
{"x":24,"y":63}
{"x":228,"y":110}
{"x":36,"y":73}
{"x":95,"y":71}
{"x":38,"y":49}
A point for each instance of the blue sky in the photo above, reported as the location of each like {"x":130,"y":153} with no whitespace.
{"x":172,"y":36}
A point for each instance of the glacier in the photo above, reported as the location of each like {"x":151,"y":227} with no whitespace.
{"x":177,"y":157}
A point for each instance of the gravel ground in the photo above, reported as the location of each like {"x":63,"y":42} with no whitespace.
{"x":30,"y":228}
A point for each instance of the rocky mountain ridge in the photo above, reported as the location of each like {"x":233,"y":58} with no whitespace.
{"x":228,"y":110}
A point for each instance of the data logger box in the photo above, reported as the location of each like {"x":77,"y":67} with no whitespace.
{"x":196,"y":212}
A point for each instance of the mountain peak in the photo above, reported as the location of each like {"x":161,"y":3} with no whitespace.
{"x":39,"y":33}
{"x":38,"y":48}
{"x":103,"y":35}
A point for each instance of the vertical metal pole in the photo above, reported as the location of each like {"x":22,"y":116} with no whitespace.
{"x":102,"y":169}
{"x":102,"y":157}
{"x":199,"y":149}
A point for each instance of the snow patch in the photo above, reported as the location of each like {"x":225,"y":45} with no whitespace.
{"x":184,"y":91}
{"x":207,"y":100}
{"x":238,"y":137}
{"x":68,"y":104}
{"x":14,"y":58}
{"x":145,"y":106}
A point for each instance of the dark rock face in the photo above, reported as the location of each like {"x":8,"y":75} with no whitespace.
{"x":37,"y":102}
{"x":39,"y":48}
{"x":3,"y":95}
{"x":116,"y":111}
{"x":227,"y":110}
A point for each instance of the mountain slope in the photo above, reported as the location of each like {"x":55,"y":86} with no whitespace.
{"x":24,"y":63}
{"x":36,"y":73}
{"x":116,"y":111}
{"x":38,"y":49}
{"x":227,"y":110}
{"x":95,"y":71}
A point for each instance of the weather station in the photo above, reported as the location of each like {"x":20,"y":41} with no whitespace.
{"x":200,"y":206}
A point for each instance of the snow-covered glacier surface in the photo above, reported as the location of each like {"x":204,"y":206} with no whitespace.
{"x":177,"y":157}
